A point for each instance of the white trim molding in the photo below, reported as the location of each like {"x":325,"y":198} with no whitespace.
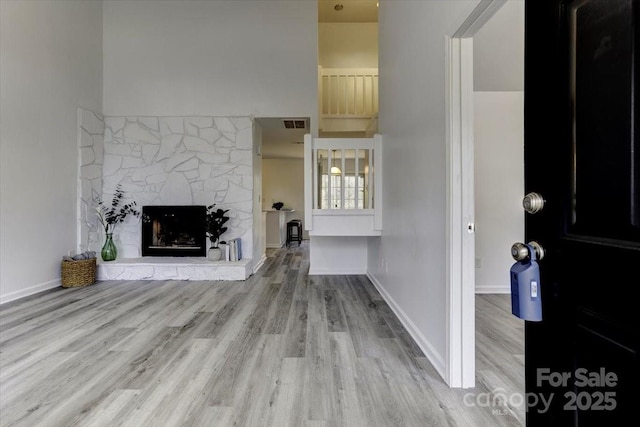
{"x":493,"y":290}
{"x":308,"y":182}
{"x":22,"y":293}
{"x":460,"y":358}
{"x":460,"y":216}
{"x":453,"y":374}
{"x":259,"y":263}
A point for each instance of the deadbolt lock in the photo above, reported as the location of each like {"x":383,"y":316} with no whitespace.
{"x":533,"y":203}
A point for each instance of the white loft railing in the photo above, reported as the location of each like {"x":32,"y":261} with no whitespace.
{"x":343,"y":184}
{"x":348,"y":92}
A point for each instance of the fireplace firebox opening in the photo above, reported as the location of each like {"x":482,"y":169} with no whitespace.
{"x":174,"y":231}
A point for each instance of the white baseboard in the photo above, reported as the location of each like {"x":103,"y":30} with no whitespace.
{"x":15,"y":295}
{"x":259,"y":264}
{"x":433,"y":356}
{"x":322,"y":272}
{"x":492,"y":290}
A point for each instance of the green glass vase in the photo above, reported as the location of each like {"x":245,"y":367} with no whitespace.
{"x":109,"y":250}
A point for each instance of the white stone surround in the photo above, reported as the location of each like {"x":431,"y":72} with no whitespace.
{"x":180,"y":161}
{"x":173,"y":268}
{"x":90,"y":157}
{"x":194,"y":160}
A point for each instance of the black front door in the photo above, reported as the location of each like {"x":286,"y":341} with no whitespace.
{"x":582,"y":154}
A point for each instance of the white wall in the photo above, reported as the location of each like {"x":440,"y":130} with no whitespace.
{"x":50,"y":64}
{"x":283,"y":181}
{"x":498,"y":50}
{"x":499,"y":185}
{"x":498,"y":66}
{"x":409,"y":262}
{"x":218,"y":58}
{"x":348,"y":45}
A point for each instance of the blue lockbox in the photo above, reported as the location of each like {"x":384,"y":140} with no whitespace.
{"x":526,"y":300}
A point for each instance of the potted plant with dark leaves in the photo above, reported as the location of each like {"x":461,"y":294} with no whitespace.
{"x":111,"y":215}
{"x":215,"y":228}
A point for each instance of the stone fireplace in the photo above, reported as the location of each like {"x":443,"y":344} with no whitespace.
{"x":190,"y":162}
{"x":173,"y":231}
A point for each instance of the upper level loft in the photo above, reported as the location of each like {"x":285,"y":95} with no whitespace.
{"x":347,"y":68}
{"x":348,"y":101}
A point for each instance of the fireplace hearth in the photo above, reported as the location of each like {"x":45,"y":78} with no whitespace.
{"x":174,"y":231}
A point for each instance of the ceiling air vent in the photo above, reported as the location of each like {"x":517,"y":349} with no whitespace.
{"x":294,"y":123}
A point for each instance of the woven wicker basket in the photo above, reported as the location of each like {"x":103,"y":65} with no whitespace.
{"x":78,"y":273}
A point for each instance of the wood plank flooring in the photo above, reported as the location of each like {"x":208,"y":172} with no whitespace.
{"x":279,"y":349}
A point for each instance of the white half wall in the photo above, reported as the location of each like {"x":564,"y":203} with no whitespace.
{"x":337,"y":255}
{"x":499,"y":186}
{"x":215,"y":58}
{"x":50,"y":64}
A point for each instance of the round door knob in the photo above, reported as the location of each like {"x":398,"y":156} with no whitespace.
{"x":533,"y":203}
{"x":538,"y":248}
{"x":519,"y":251}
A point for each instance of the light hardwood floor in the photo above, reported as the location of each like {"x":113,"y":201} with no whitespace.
{"x":279,"y":349}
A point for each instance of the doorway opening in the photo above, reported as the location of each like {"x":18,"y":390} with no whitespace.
{"x":282,"y":170}
{"x":467,"y":213}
